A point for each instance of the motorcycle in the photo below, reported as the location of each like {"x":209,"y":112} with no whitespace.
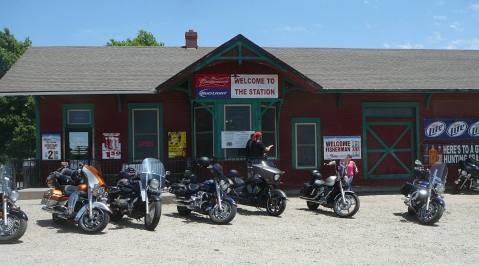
{"x":423,"y":195}
{"x":209,"y":197}
{"x":137,"y":195}
{"x":330,"y":193}
{"x":261,"y":189}
{"x":90,"y":211}
{"x":468,"y":176}
{"x":13,"y":221}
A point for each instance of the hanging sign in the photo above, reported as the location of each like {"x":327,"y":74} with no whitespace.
{"x":111,"y":146}
{"x":449,"y":153}
{"x":235,"y":139}
{"x":234,"y":86}
{"x":176,"y":144}
{"x":338,"y":147}
{"x":254,"y":86}
{"x":457,"y":129}
{"x":51,"y":147}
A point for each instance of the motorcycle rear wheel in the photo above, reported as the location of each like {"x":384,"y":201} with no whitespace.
{"x":339,"y":206}
{"x":17,"y":228}
{"x":432,"y":215}
{"x":96,"y":224}
{"x":456,"y":189}
{"x":225,"y":215}
{"x":152,"y":220}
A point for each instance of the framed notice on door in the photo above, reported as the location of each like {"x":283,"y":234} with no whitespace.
{"x":51,"y":147}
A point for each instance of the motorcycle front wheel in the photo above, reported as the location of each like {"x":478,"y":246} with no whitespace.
{"x":348,"y":208}
{"x":14,"y":229}
{"x":431,"y":215}
{"x":153,"y":217}
{"x":275,"y":205}
{"x":224,"y":215}
{"x":96,"y":223}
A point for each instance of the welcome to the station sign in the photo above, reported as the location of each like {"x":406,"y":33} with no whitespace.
{"x":235,"y":86}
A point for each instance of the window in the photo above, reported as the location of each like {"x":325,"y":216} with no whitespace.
{"x":306,"y":143}
{"x":204,"y":131}
{"x":144,"y":121}
{"x":237,"y":118}
{"x":78,"y":124}
{"x":268,"y":128}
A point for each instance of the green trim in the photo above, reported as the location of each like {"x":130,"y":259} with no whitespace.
{"x":428,"y":100}
{"x":119,"y":102}
{"x":389,"y":150}
{"x":339,"y":100}
{"x":83,"y":106}
{"x":299,"y":120}
{"x":38,"y":133}
{"x":131,"y":107}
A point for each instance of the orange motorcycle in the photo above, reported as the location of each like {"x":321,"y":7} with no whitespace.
{"x":89,"y":211}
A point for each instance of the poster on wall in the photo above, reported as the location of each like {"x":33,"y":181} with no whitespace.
{"x":51,"y":147}
{"x":337,"y":147}
{"x":449,"y":153}
{"x":234,"y":86}
{"x":235,"y":139}
{"x":451,"y":129}
{"x":176,"y":144}
{"x":111,"y":146}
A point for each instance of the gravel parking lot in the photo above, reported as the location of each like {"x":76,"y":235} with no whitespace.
{"x":381,"y":233}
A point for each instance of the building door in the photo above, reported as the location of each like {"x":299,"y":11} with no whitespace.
{"x":145,"y":126}
{"x":390,"y":140}
{"x":237,"y":118}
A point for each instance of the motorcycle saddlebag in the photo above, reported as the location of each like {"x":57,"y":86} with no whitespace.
{"x":407,"y":189}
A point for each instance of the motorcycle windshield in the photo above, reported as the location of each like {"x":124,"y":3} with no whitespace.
{"x":92,"y":175}
{"x":152,"y":168}
{"x":438,"y":173}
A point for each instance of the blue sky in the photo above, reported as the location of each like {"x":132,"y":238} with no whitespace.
{"x":435,"y":24}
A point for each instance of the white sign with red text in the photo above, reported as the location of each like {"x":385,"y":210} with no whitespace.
{"x":254,"y":86}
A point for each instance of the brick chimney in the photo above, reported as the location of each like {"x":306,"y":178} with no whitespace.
{"x":191,"y":39}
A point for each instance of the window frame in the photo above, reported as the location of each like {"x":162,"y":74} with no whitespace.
{"x":294,"y":144}
{"x":208,"y":108}
{"x":144,"y":106}
{"x":276,"y":129}
{"x":90,"y":127}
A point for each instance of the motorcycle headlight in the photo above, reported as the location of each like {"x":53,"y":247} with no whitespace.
{"x":464,"y":173}
{"x":224,"y":185}
{"x":276,"y":177}
{"x":154,"y":184}
{"x":98,"y":191}
{"x":468,"y":175}
{"x":14,"y":196}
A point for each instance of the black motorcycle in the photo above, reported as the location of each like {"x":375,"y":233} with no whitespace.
{"x":261,"y":189}
{"x":137,"y":194}
{"x":423,"y":195}
{"x":13,"y":221}
{"x":468,"y":176}
{"x":209,"y":197}
{"x":330,"y":193}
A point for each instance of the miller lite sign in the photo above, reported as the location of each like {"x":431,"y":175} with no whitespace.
{"x":451,"y":128}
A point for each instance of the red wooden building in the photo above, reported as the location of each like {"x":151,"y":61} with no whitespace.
{"x":118,"y":105}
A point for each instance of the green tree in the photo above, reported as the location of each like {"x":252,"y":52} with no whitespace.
{"x":143,"y":38}
{"x":17,"y":127}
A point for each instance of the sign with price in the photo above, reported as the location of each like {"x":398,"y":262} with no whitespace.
{"x":51,"y":147}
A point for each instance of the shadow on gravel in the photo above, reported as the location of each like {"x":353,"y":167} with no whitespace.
{"x":409,"y":218}
{"x":64,"y":228}
{"x":191,"y":218}
{"x":128,"y":223}
{"x":326,"y":212}
{"x":11,"y":243}
{"x":257,"y":212}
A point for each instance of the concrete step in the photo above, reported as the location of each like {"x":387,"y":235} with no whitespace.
{"x":32,"y":193}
